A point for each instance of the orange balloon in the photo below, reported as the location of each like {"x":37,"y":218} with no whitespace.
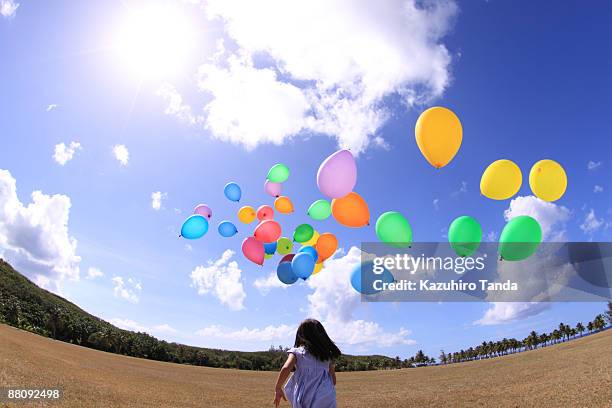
{"x":351,"y":210}
{"x":283,"y":205}
{"x":326,"y":246}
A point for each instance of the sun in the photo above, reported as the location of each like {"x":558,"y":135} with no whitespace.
{"x":154,"y":41}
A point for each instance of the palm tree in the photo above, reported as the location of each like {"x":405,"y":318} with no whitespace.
{"x":599,"y":322}
{"x":590,"y":327}
{"x":443,"y":357}
{"x":609,"y":314}
{"x":580,"y":328}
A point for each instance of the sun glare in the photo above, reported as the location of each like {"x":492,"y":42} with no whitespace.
{"x":154,"y":41}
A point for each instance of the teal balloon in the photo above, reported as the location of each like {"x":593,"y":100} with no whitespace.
{"x":303,"y":233}
{"x":279,"y":173}
{"x":520,"y":238}
{"x":363,"y":278}
{"x":394,"y":229}
{"x":194,"y":227}
{"x":227,"y":229}
{"x":308,"y":249}
{"x":320,"y":210}
{"x":285,"y":273}
{"x":303,"y":265}
{"x":232,"y":191}
{"x":465,"y":235}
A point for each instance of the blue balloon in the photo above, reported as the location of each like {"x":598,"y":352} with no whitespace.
{"x":270,"y":248}
{"x":309,"y":249}
{"x":194,"y":227}
{"x":227,"y":229}
{"x":232,"y":191}
{"x":363,"y":278}
{"x":285,"y":274}
{"x":303,"y":264}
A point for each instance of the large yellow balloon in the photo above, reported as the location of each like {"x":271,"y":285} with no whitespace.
{"x":438,"y":134}
{"x":351,"y":210}
{"x":548,"y":180}
{"x":501,"y":180}
{"x":246,"y":214}
{"x":312,"y":241}
{"x":283,"y":205}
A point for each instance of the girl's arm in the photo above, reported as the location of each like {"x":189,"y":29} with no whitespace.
{"x":332,"y":371}
{"x":282,"y":378}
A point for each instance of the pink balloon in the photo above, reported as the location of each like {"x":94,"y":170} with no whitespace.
{"x":268,"y":231}
{"x":253,"y":250}
{"x":265,"y":212}
{"x":337,"y":174}
{"x":274,"y":189}
{"x":203,"y":210}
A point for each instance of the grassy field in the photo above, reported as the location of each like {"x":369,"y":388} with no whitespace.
{"x":573,"y":374}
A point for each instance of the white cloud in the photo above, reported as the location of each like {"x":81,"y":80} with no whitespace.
{"x":462,"y":189}
{"x":129,"y":290}
{"x":121,"y":154}
{"x":329,"y":71}
{"x":551,"y":217}
{"x":335,"y":302}
{"x":51,"y":107}
{"x":8,"y":8}
{"x":63,"y":154}
{"x":491,"y":236}
{"x":436,"y":203}
{"x":267,"y":334}
{"x":507,"y":312}
{"x":35,"y":237}
{"x":93,"y":273}
{"x":222,"y":278}
{"x":175,"y":105}
{"x":592,"y":165}
{"x":598,"y":189}
{"x":156,"y":199}
{"x":591,"y":223}
{"x":128,"y":324}
{"x":270,"y":282}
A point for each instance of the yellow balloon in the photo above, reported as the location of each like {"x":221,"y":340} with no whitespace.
{"x":317,"y":268}
{"x":438,"y":134}
{"x":246,"y":214}
{"x":501,"y":180}
{"x":312,"y":241}
{"x":283,"y":205}
{"x":548,"y":180}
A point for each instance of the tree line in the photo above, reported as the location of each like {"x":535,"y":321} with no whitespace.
{"x":29,"y":307}
{"x":563,"y":332}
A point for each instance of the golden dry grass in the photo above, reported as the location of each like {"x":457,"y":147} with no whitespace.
{"x":573,"y":374}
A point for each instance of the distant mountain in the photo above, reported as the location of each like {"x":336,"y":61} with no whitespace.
{"x":25,"y":305}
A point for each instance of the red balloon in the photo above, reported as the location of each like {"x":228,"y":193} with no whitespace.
{"x":265,"y":212}
{"x":287,"y":258}
{"x":268,"y":231}
{"x":253,"y":250}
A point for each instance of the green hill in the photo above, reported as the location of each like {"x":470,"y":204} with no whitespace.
{"x":27,"y":306}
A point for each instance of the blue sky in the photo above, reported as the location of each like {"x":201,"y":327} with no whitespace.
{"x":527,"y":84}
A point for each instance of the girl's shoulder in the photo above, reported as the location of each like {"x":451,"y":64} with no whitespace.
{"x":298,"y":351}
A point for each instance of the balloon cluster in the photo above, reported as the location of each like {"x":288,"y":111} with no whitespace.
{"x":439,"y":134}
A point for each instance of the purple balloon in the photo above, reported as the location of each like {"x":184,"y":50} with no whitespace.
{"x":203,"y":210}
{"x":337,"y":174}
{"x":274,"y":189}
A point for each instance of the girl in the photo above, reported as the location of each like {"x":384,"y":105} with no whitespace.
{"x":313,"y":383}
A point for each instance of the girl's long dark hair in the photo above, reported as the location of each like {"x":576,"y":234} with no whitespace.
{"x":312,"y":336}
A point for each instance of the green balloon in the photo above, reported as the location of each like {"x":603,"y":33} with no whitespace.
{"x":319,"y":210}
{"x":284,"y":246}
{"x":303,"y":233}
{"x":394,"y":229}
{"x":520,"y":238}
{"x":464,"y":235}
{"x":279,"y":173}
